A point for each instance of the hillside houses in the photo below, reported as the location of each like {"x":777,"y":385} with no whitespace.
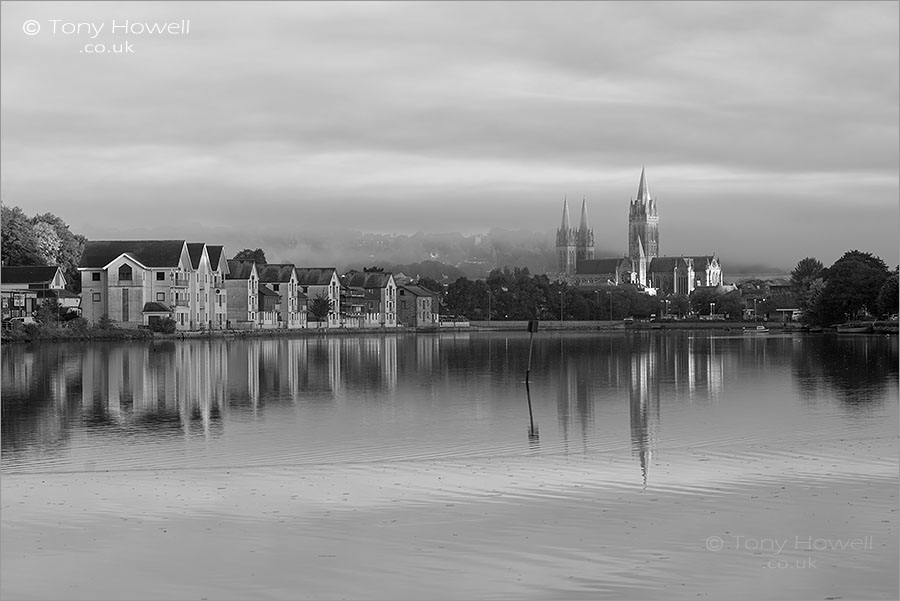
{"x":141,"y":283}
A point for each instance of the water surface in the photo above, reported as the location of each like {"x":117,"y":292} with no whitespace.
{"x":650,"y":465}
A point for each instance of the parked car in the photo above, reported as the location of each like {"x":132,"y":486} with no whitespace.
{"x":9,"y":321}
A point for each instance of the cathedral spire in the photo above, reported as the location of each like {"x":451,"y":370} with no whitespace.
{"x":643,"y":194}
{"x":583,"y":226}
{"x":565,"y":222}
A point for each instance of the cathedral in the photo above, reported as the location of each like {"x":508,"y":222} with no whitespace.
{"x":642,"y":266}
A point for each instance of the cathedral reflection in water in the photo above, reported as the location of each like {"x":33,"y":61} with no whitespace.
{"x":406,"y":385}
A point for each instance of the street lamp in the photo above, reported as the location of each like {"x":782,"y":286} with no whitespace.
{"x":711,"y":309}
{"x":561,"y":316}
{"x":597,"y":292}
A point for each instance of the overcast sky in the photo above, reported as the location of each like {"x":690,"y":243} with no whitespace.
{"x":769,"y":131}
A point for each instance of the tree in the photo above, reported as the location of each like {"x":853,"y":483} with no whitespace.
{"x":258,"y":256}
{"x":866,"y":258}
{"x":730,"y":304}
{"x":69,"y":248}
{"x":430,"y":284}
{"x":17,"y":242}
{"x":47,"y":242}
{"x":805,"y":272}
{"x":852,"y":287}
{"x":887,"y":300}
{"x":702,"y":298}
{"x":320,"y":307}
{"x":48,"y":311}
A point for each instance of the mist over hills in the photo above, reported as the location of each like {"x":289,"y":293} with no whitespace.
{"x":438,"y":255}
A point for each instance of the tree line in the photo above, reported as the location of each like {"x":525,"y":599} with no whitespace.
{"x":42,"y":239}
{"x":858,"y":285}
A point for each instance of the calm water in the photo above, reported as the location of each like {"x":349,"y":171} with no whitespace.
{"x":635,"y":465}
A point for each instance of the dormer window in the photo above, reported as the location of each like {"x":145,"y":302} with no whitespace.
{"x":125,"y":272}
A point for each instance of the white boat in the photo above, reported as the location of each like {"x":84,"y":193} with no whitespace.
{"x":856,"y":328}
{"x":757,"y":330}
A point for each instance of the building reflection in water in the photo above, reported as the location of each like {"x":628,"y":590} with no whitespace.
{"x":574,"y":402}
{"x":645,"y":365}
{"x":644,"y":404}
{"x":154,"y":385}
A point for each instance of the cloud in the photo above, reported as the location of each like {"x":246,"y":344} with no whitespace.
{"x":409,"y":116}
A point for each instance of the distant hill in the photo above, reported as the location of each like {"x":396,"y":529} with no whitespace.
{"x":442,"y":254}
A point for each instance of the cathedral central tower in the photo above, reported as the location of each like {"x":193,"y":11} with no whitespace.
{"x":643,"y":225}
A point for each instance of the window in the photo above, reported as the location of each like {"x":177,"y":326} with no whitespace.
{"x":125,"y":272}
{"x":160,"y":276}
{"x":275,"y":287}
{"x":161,"y":296}
{"x":95,"y":297}
{"x":95,"y":277}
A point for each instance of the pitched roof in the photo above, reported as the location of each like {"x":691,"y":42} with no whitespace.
{"x":666,"y":264}
{"x":266,"y":291}
{"x":239,"y":270}
{"x":588,"y":266}
{"x":215,"y":254}
{"x":155,"y":307}
{"x":314,"y":276}
{"x":367,"y":279}
{"x":701,"y":261}
{"x":152,"y":253}
{"x":418,"y":291}
{"x":28,"y":274}
{"x":195,"y":251}
{"x":275,"y":272}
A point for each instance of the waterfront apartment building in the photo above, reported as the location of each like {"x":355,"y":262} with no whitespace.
{"x":135,"y":282}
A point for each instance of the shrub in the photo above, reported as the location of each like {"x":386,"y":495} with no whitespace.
{"x":79,"y":324}
{"x":166,"y":325}
{"x":105,"y":323}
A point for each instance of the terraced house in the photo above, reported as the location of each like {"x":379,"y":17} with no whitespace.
{"x":282,"y":279}
{"x":242,"y":288}
{"x":136,"y":282}
{"x":216,"y":294}
{"x":381,"y":295}
{"x":315,"y":281}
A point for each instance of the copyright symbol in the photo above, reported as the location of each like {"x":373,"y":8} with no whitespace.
{"x":714,"y":543}
{"x":31,"y":27}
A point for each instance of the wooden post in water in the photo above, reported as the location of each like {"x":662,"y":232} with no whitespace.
{"x":533,"y":435}
{"x":532,"y":328}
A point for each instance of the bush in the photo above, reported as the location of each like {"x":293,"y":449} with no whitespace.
{"x":105,"y":323}
{"x":166,"y":325}
{"x":79,"y":324}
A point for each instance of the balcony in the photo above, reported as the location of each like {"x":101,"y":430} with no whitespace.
{"x":182,"y":282}
{"x":182,"y":302}
{"x":136,"y":279}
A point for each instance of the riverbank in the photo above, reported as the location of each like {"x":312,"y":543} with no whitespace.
{"x":53,"y":334}
{"x":49,"y":334}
